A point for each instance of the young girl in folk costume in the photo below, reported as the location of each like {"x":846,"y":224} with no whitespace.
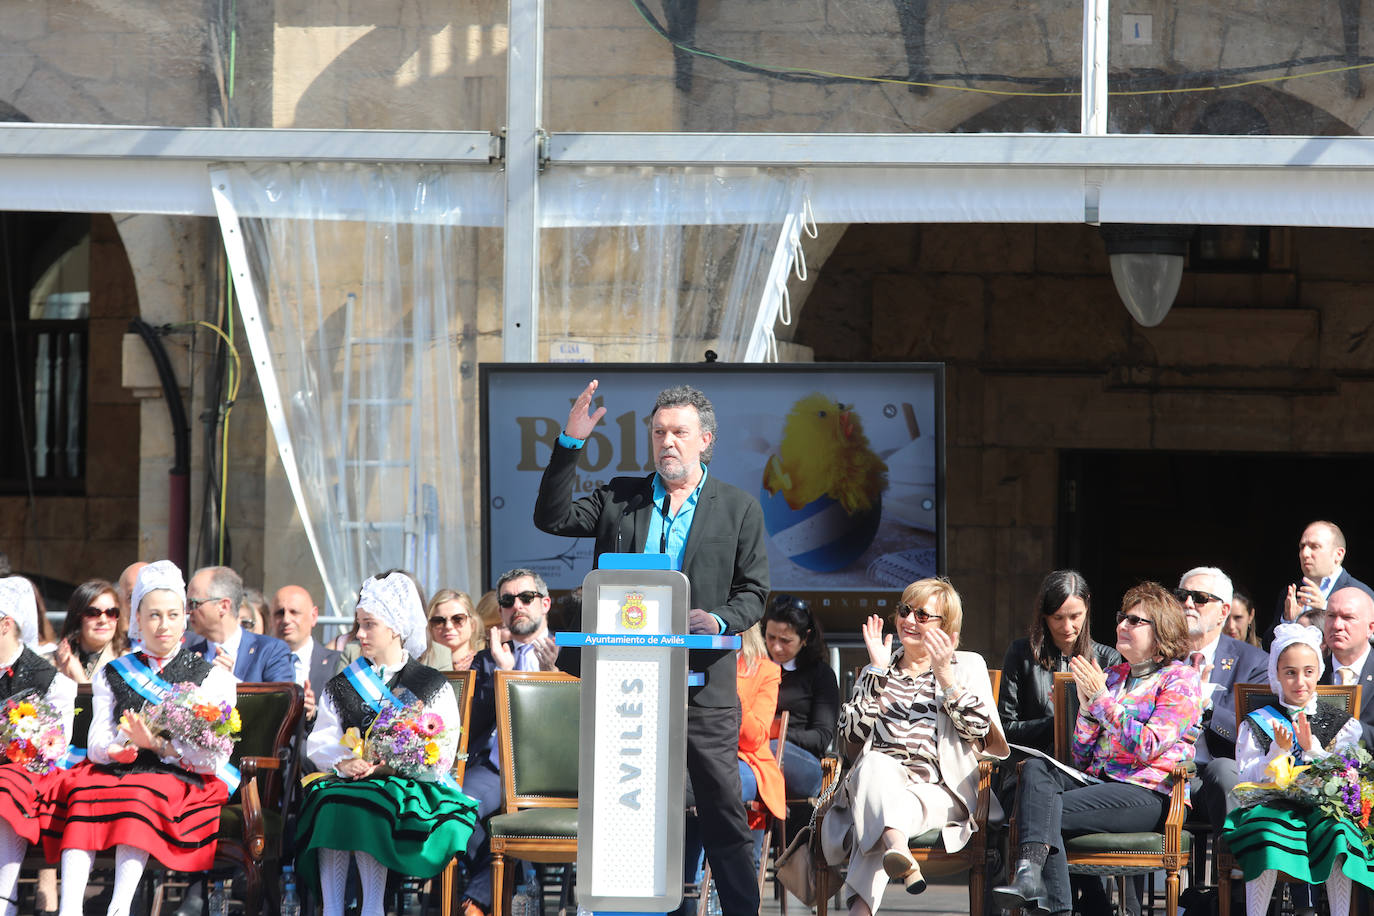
{"x":24,"y":674}
{"x":140,"y":792}
{"x":1299,"y":841}
{"x":412,"y":826}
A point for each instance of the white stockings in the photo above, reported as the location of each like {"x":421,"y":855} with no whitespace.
{"x":1259,"y":891}
{"x":334,"y":874}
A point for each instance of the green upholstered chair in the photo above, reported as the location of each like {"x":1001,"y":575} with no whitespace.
{"x":1119,"y":855}
{"x":537,"y":716}
{"x":1250,"y":697}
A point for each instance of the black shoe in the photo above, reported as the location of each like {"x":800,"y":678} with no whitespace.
{"x":1026,"y":890}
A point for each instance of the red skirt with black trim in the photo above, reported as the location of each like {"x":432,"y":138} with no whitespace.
{"x":21,"y":794}
{"x":95,"y":807}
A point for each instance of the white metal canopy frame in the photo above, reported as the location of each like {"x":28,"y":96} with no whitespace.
{"x":525,"y":182}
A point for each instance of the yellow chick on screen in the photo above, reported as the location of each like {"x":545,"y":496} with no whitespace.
{"x":824,"y":452}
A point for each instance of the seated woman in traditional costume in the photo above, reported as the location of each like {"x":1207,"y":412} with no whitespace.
{"x":142,"y":791}
{"x":924,"y":716}
{"x":1302,"y":842}
{"x":26,"y":676}
{"x":387,"y":810}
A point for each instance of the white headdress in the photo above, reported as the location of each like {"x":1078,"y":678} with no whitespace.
{"x":160,"y":576}
{"x":17,"y":601}
{"x":1288,"y":634}
{"x":396,"y":602}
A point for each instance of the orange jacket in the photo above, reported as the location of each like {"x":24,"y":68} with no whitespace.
{"x":758,"y":701}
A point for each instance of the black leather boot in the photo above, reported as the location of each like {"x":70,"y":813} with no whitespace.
{"x":1026,"y":890}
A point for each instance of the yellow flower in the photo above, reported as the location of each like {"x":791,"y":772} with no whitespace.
{"x":235,"y":723}
{"x":431,"y":753}
{"x":14,"y":716}
{"x":353,"y":741}
{"x":26,"y":709}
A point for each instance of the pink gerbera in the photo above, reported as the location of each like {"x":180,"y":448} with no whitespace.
{"x":430,"y":724}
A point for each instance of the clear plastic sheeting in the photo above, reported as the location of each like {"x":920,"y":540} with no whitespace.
{"x":368,"y":304}
{"x":1234,"y":67}
{"x":817,"y":66}
{"x":660,"y":265}
{"x":372,"y":64}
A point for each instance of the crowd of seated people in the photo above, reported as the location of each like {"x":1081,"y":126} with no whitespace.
{"x":921,"y":716}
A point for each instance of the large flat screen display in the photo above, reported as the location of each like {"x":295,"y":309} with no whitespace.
{"x":847,"y":462}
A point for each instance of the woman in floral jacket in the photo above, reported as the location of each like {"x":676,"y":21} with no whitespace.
{"x":1137,"y":721}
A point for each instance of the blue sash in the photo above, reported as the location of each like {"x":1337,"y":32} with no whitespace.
{"x":369,"y":685}
{"x":153,"y":688}
{"x":1265,"y":719}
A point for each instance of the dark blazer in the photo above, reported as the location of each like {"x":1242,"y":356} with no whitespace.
{"x":1366,"y":683}
{"x":1026,"y":702}
{"x":725,"y":559}
{"x":324,"y":664}
{"x":811,"y":698}
{"x":1344,"y":580}
{"x":261,"y":658}
{"x":1235,"y":662}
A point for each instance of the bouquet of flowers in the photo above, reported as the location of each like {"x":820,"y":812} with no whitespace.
{"x":1340,"y":785}
{"x":187,"y":716}
{"x":406,"y":738}
{"x":31,"y":732}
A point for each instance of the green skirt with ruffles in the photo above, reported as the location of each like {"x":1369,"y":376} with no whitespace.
{"x":1299,"y":841}
{"x":412,"y":827}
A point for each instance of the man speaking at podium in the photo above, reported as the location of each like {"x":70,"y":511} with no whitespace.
{"x":714,"y":534}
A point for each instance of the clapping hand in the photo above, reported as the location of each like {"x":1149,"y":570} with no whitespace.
{"x":1088,"y":677}
{"x":940,"y":647}
{"x":502,"y":654}
{"x":879,"y":646}
{"x":1303,"y":732}
{"x":1283,"y":738}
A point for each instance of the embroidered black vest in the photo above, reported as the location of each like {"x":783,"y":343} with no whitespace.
{"x":29,"y":673}
{"x":185,"y":667}
{"x":1326,"y":722}
{"x":354,"y":712}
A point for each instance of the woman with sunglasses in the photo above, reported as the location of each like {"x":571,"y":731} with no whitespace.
{"x":454,"y":635}
{"x":809,"y":693}
{"x":93,"y":632}
{"x":1137,"y":721}
{"x":924,"y":715}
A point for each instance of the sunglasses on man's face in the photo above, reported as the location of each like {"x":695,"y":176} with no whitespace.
{"x":525,"y":598}
{"x":1134,"y":620}
{"x":924,"y":616}
{"x":1199,"y":598}
{"x":91,"y":613}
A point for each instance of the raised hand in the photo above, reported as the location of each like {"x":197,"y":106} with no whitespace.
{"x":1087,"y":676}
{"x":582,"y":419}
{"x":502,"y":654}
{"x":1303,"y":732}
{"x":940,"y":646}
{"x":879,"y":646}
{"x":1283,"y":738}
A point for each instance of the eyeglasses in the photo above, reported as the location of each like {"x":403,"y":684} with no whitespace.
{"x":110,"y":613}
{"x":525,"y":598}
{"x":1133,"y":620}
{"x":1199,"y":598}
{"x":193,"y":603}
{"x":921,"y":613}
{"x":457,"y":620}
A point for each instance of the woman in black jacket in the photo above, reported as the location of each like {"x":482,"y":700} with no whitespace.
{"x":809,"y":692}
{"x":1059,"y":629}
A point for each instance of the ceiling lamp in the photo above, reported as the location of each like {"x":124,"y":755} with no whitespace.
{"x":1147,"y":266}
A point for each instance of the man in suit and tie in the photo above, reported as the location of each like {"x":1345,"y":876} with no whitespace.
{"x":1321,"y":553}
{"x":714,"y":533}
{"x":294,"y":615}
{"x":212,"y":602}
{"x":1223,"y":662}
{"x":1349,"y":625}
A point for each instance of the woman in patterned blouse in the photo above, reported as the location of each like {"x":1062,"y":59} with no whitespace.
{"x":1137,"y":721}
{"x":924,"y":714}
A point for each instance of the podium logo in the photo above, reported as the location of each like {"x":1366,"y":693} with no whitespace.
{"x":633,"y":615}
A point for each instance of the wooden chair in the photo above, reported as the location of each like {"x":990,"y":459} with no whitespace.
{"x":463,"y":683}
{"x":1120,"y":855}
{"x":536,"y":713}
{"x":1250,"y":697}
{"x":251,"y":826}
{"x":928,"y":849}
